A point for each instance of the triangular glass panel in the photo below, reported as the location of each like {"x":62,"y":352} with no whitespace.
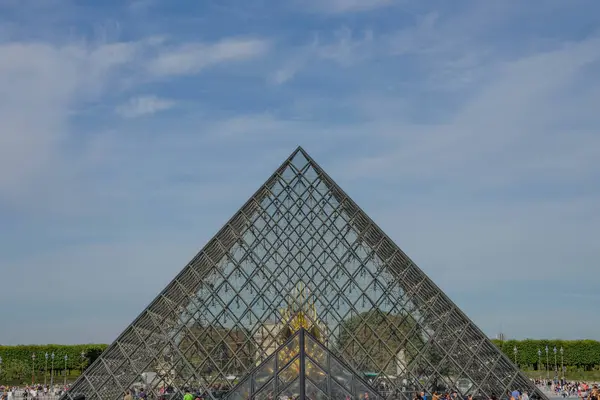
{"x":316,"y":375}
{"x":299,"y":160}
{"x":314,"y":392}
{"x":301,"y":256}
{"x":264,"y":373}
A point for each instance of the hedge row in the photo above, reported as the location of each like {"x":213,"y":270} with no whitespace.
{"x":23,"y":354}
{"x":576,"y":353}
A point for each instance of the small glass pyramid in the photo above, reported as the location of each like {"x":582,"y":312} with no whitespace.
{"x":302,"y":368}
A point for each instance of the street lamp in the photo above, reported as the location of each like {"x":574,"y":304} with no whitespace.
{"x":547,"y":364}
{"x":540,"y":362}
{"x":52,"y":370}
{"x":0,"y":366}
{"x":515,"y":351}
{"x":45,"y":368}
{"x":82,"y":360}
{"x":66,"y":358}
{"x":562,"y":364}
{"x":555,"y":364}
{"x":33,"y":368}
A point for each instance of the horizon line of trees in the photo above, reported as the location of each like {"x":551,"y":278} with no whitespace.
{"x":17,"y":362}
{"x":531,"y":353}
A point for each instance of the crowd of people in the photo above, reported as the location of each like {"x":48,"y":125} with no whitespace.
{"x":32,"y":392}
{"x":565,"y":389}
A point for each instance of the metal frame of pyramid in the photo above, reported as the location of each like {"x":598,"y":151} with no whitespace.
{"x":300,"y":254}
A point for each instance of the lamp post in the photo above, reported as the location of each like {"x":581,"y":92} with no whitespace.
{"x":66,"y":358}
{"x":46,"y":368}
{"x":82,"y":360}
{"x":562,"y":364}
{"x":33,"y":368}
{"x":515,"y":351}
{"x":547,"y":364}
{"x":52,"y":370}
{"x":540,"y":362}
{"x":0,"y":366}
{"x":555,"y":364}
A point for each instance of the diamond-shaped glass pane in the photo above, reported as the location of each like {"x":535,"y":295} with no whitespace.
{"x":301,"y":256}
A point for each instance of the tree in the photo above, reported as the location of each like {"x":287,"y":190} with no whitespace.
{"x":375,"y":341}
{"x":213,"y":348}
{"x":16,"y":370}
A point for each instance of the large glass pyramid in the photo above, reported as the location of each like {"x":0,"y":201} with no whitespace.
{"x":299,"y":256}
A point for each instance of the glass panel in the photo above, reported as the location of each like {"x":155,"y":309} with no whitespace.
{"x":290,"y":372}
{"x":288,"y":352}
{"x":315,"y":351}
{"x":242,"y":392}
{"x":363,"y":392}
{"x":337,"y":392}
{"x":316,"y":374}
{"x":267,"y":392}
{"x":264,"y":373}
{"x":312,"y":392}
{"x":292,"y":390}
{"x":340,"y":373}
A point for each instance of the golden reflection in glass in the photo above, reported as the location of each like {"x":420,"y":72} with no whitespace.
{"x":301,"y":312}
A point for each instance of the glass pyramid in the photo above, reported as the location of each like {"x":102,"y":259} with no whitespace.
{"x":302,"y":368}
{"x":300,"y":255}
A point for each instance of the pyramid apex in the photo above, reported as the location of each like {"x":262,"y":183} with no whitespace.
{"x":300,"y":150}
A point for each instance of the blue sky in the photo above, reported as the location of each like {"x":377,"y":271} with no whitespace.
{"x":132,"y":130}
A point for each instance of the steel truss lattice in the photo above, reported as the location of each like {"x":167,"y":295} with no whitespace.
{"x":300,"y":254}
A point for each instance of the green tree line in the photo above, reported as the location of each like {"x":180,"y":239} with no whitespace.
{"x":18,"y":363}
{"x":581,"y":354}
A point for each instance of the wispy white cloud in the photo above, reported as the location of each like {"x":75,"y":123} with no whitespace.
{"x":344,"y":48}
{"x":510,"y":118}
{"x":191,"y":58}
{"x":52,"y":81}
{"x":40,"y":84}
{"x":349,"y":6}
{"x":144,"y":105}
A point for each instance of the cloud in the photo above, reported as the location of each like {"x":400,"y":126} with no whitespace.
{"x":144,"y":105}
{"x":56,"y":81}
{"x":349,"y":6}
{"x":344,"y":48}
{"x":39,"y":85}
{"x":524,"y":102}
{"x":191,"y":58}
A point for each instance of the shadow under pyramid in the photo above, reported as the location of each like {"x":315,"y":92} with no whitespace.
{"x":301,"y":261}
